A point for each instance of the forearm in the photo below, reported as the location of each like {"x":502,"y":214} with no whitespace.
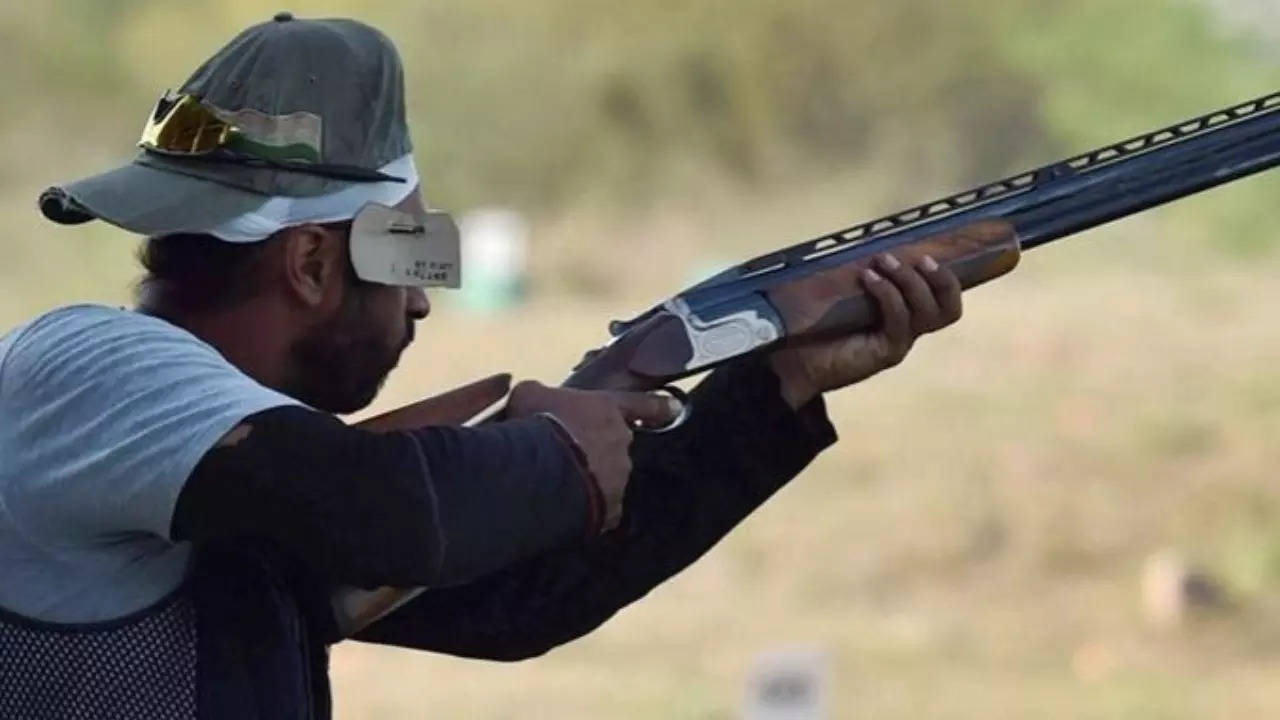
{"x":795,"y":386}
{"x":689,"y":488}
{"x":434,"y":506}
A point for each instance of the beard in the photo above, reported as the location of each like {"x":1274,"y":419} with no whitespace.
{"x":342,"y":363}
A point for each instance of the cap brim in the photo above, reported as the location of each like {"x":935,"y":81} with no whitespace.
{"x":148,"y":201}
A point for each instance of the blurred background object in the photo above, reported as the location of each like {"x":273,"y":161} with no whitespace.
{"x":495,"y":258}
{"x":788,"y":684}
{"x":1172,"y":589}
{"x":969,"y":549}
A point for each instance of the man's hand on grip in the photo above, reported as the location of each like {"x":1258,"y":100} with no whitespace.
{"x":601,"y":423}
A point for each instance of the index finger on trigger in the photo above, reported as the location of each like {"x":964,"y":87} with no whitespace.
{"x":647,"y":409}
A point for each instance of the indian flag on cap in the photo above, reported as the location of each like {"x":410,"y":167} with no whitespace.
{"x":295,"y":136}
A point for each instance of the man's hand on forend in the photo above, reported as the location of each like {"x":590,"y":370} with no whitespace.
{"x":915,"y":294}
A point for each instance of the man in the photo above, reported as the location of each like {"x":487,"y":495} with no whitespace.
{"x":177,"y":500}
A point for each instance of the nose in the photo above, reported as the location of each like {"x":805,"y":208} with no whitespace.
{"x":418,"y":307}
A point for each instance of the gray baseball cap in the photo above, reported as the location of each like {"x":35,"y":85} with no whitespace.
{"x":328,"y":92}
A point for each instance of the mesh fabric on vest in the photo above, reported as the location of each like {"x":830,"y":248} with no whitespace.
{"x":143,"y":668}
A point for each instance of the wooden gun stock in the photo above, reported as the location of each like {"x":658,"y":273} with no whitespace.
{"x":356,"y":609}
{"x":455,"y":407}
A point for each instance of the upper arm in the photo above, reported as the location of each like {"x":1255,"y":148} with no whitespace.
{"x":689,"y":488}
{"x":431,"y":506}
{"x":106,"y":415}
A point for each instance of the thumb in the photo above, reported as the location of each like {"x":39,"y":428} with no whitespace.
{"x":648,"y":409}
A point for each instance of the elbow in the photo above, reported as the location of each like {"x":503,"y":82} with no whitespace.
{"x":518,"y":653}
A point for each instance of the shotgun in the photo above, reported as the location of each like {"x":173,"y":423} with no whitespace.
{"x":740,"y":311}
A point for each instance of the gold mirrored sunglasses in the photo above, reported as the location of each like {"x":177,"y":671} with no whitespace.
{"x":181,"y":125}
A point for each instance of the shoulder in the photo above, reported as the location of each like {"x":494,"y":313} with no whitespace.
{"x":77,"y":318}
{"x":106,"y":412}
{"x":83,"y":345}
{"x":82,"y":335}
{"x":89,"y":358}
{"x":89,"y":324}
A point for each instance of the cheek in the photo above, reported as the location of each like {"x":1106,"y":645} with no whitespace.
{"x":389,"y":305}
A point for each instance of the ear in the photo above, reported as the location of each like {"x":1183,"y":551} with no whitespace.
{"x":314,"y":264}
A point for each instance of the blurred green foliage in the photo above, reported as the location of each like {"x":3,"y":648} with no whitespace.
{"x":568,"y":102}
{"x":568,"y":108}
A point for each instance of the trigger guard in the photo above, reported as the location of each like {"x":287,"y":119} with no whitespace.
{"x":686,"y":409}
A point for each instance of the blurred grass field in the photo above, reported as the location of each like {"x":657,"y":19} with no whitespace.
{"x":972,"y":548}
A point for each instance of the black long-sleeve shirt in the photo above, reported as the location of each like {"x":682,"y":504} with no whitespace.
{"x":493,"y":521}
{"x":433,"y":506}
{"x":689,"y":488}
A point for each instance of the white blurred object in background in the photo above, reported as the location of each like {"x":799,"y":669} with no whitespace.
{"x":788,"y":685}
{"x":1172,"y":589}
{"x":495,"y":253}
{"x":1254,"y":16}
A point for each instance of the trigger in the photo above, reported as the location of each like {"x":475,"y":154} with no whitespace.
{"x":686,"y":409}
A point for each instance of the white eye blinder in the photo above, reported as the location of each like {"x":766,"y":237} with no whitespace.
{"x":391,"y":247}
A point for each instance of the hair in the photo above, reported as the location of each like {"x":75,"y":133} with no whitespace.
{"x":194,"y":273}
{"x":191,"y":273}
